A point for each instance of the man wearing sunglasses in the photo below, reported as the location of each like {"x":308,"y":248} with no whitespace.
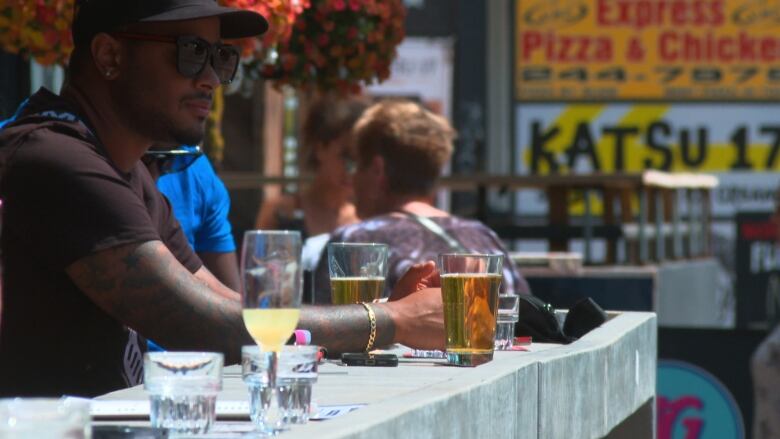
{"x":90,"y":248}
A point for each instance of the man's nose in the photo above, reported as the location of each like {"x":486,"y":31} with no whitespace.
{"x":208,"y":78}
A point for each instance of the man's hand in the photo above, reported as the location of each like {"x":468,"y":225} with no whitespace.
{"x":417,"y":277}
{"x":418,"y":319}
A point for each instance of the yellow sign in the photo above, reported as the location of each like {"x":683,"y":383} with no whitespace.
{"x":619,"y":137}
{"x":670,"y":50}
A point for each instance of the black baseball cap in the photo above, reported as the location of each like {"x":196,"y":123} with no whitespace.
{"x":94,"y":16}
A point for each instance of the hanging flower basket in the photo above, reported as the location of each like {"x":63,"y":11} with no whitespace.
{"x":39,"y":29}
{"x":339,"y":45}
{"x":281,"y":15}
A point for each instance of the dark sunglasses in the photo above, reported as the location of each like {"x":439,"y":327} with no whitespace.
{"x":193,"y":53}
{"x":169,"y":161}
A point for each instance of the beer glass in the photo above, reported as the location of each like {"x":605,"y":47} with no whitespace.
{"x":469,"y":289}
{"x":357,"y":272}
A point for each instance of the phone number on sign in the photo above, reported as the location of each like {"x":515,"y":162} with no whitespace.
{"x":675,"y":81}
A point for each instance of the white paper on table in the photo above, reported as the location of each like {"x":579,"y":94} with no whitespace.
{"x":133,"y":409}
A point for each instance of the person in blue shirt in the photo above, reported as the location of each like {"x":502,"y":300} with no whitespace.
{"x":201,"y":203}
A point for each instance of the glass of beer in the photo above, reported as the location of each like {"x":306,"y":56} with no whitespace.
{"x":469,"y":290}
{"x":357,"y":271}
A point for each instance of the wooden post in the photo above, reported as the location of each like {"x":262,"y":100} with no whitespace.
{"x":608,"y":215}
{"x":273,"y":123}
{"x":557,"y":197}
{"x":632,"y":254}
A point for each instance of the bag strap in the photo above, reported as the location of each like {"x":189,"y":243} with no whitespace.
{"x":437,"y":230}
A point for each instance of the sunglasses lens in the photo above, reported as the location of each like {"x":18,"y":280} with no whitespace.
{"x":193,"y":55}
{"x":226,"y":63}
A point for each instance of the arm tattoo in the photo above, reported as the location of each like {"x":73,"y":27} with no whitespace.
{"x":346,"y":328}
{"x":147,"y":289}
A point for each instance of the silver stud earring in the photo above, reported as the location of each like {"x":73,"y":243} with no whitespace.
{"x":108,"y":73}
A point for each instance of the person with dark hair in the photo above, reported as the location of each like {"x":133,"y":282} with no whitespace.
{"x":93,"y":259}
{"x":326,"y":202}
{"x":401,"y":150}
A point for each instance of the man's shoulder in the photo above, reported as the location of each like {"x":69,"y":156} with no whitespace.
{"x":52,"y":143}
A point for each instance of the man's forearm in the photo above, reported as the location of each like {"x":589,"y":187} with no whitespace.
{"x":346,"y":328}
{"x":145,"y":287}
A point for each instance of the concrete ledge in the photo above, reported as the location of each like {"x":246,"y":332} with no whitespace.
{"x":582,"y":390}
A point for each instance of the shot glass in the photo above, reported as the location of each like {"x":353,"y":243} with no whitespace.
{"x":469,"y":289}
{"x":183,"y":389}
{"x":508,"y":315}
{"x":357,"y":271}
{"x":44,"y":418}
{"x":295,"y":377}
{"x":255,"y":367}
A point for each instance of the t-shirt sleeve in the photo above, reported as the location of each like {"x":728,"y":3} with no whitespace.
{"x":174,"y":238}
{"x":214,"y":234}
{"x":71,"y":202}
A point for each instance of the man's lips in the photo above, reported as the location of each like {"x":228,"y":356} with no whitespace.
{"x":201,"y":107}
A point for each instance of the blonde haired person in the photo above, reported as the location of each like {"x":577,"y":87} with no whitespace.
{"x":401,"y":149}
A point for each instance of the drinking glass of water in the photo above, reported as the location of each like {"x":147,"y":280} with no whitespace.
{"x":183,"y":389}
{"x":508,"y":315}
{"x":296,"y":374}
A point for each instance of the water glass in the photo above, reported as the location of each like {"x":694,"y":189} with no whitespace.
{"x":357,"y":271}
{"x":508,"y":315}
{"x":255,"y":370}
{"x":297,"y":372}
{"x":183,"y":389}
{"x":44,"y":418}
{"x":469,"y":289}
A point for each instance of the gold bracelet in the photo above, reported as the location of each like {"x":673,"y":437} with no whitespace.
{"x":372,"y":321}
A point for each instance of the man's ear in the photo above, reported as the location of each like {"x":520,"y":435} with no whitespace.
{"x":107,"y":55}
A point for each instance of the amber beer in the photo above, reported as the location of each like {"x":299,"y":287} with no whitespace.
{"x":348,"y":290}
{"x":470,"y":307}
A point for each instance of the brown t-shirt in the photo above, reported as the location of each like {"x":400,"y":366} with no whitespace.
{"x":63,"y":199}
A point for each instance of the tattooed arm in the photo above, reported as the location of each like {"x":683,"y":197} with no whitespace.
{"x":145,"y":287}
